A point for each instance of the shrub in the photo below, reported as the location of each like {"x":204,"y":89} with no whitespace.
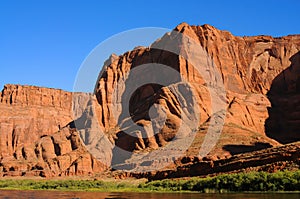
{"x":253,"y":181}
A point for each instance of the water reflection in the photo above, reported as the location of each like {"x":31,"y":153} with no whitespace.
{"x":102,"y":195}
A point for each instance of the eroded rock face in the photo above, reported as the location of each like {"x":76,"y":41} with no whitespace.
{"x":28,"y":113}
{"x":269,"y":160}
{"x":162,"y":113}
{"x":35,"y":135}
{"x":250,"y":69}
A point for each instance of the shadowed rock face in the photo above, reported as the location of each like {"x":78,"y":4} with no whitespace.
{"x":283,"y":123}
{"x":249,"y":67}
{"x":260,"y":75}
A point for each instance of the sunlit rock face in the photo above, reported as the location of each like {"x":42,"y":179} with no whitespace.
{"x":155,"y":105}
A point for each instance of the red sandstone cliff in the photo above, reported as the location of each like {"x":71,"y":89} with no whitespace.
{"x":261,"y":77}
{"x":35,"y":139}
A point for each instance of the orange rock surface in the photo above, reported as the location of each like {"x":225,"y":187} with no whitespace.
{"x":260,"y":75}
{"x":35,"y":138}
{"x":43,"y":131}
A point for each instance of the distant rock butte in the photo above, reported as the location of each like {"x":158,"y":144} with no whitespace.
{"x":36,"y":139}
{"x":261,"y":76}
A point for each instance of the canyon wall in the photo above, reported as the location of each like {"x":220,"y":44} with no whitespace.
{"x":260,"y":75}
{"x":35,"y":135}
{"x":256,"y":81}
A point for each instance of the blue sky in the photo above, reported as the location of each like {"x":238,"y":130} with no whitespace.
{"x":44,"y":43}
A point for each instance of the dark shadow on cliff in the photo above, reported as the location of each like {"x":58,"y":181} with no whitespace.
{"x":283,"y":124}
{"x":142,"y":90}
{"x":235,"y":149}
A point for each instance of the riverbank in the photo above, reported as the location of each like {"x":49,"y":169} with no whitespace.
{"x":241,"y":182}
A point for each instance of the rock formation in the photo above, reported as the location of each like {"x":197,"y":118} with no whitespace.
{"x":157,"y":104}
{"x":274,"y":159}
{"x":35,"y":138}
{"x":260,"y":75}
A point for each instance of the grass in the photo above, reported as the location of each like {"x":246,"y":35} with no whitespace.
{"x":68,"y":185}
{"x":241,"y":182}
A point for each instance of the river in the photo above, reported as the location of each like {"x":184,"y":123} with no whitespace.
{"x":103,"y":195}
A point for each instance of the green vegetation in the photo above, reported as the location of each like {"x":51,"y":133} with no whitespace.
{"x":241,"y":182}
{"x":68,"y":185}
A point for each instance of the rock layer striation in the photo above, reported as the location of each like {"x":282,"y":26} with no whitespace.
{"x":148,"y":102}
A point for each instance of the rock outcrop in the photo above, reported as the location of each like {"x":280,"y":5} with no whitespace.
{"x":260,"y":75}
{"x":269,"y":160}
{"x":197,"y":96}
{"x":35,"y":135}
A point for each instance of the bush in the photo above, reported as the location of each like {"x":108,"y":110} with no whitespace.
{"x":253,"y":181}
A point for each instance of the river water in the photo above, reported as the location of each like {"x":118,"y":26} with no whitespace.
{"x":102,"y":195}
